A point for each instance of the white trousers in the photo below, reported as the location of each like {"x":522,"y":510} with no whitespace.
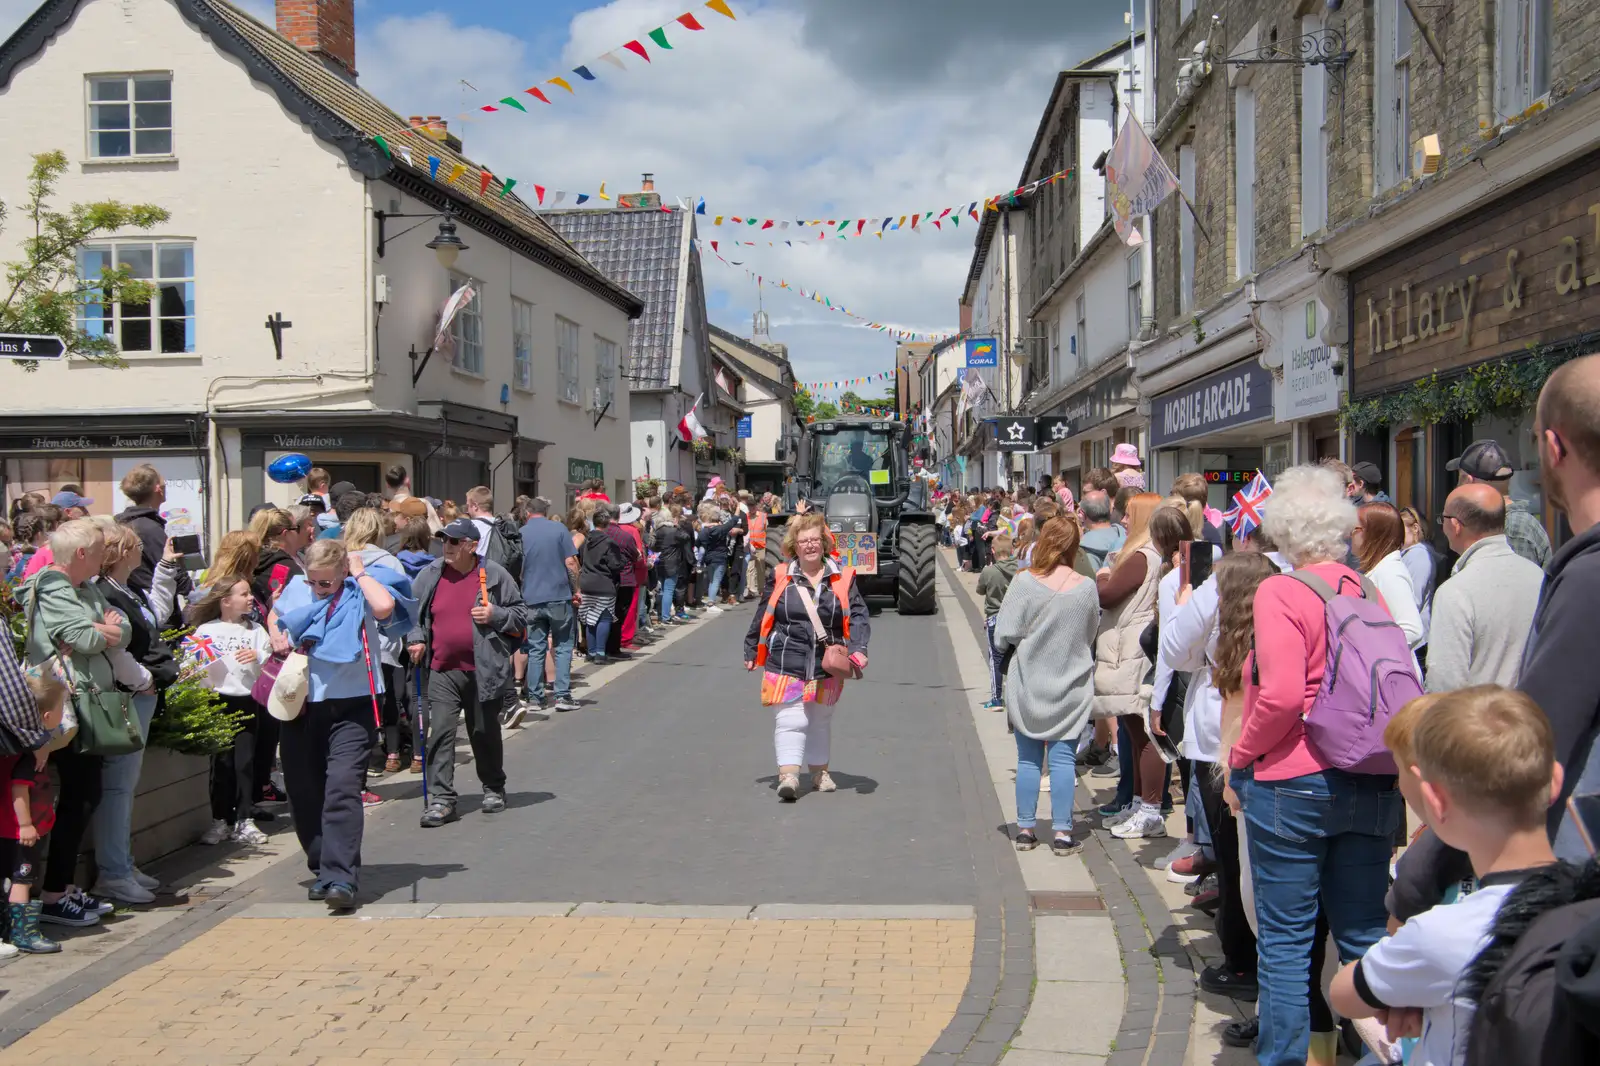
{"x":801,"y":733}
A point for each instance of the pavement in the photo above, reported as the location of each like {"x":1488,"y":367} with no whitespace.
{"x":646,"y":899}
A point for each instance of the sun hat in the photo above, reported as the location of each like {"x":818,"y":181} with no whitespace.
{"x":409,"y":506}
{"x":628,"y":515}
{"x":1126,"y":454}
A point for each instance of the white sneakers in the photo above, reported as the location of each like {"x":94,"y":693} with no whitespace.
{"x":217,"y":833}
{"x":145,"y":879}
{"x":1112,"y":821}
{"x":123,"y":890}
{"x":245,"y":832}
{"x":713,"y":609}
{"x":1145,"y":822}
{"x":822,"y":781}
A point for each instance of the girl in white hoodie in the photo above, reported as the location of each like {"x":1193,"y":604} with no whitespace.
{"x":230,"y":648}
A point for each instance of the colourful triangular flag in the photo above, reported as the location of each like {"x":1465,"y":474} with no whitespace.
{"x":720,"y":7}
{"x":615,"y":60}
{"x":603,"y":195}
{"x":512,"y":101}
{"x":563,"y":82}
{"x":689,"y":22}
{"x":700,"y":206}
{"x":507,"y":187}
{"x":455,"y":172}
{"x":638,"y":49}
{"x":539,"y":191}
{"x":384,"y":145}
{"x":433,"y":167}
{"x":484,"y":178}
{"x":582,"y":198}
{"x":659,"y":35}
{"x":584,"y":73}
{"x":558,"y":198}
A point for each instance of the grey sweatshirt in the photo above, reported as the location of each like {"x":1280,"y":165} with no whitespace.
{"x":1482,"y":617}
{"x":1050,"y":683}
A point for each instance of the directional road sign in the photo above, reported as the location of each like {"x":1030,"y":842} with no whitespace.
{"x":31,"y":346}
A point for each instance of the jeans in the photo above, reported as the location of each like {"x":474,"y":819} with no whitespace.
{"x":324,"y":754}
{"x":718,"y":571}
{"x":452,"y":696}
{"x":669,"y":586}
{"x":598,"y":634}
{"x":550,"y":624}
{"x":113,"y":819}
{"x":1063,"y":779}
{"x":996,"y":679}
{"x":1324,"y":836}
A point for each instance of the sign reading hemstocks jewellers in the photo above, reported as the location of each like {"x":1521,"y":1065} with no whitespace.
{"x":94,"y":442}
{"x":1235,"y":396}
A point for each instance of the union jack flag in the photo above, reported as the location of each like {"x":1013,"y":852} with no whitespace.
{"x":202,"y":650}
{"x":1244,"y":517}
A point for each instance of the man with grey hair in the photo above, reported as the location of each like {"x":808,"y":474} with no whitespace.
{"x":1483,"y":614}
{"x":1101,"y":536}
{"x":550,"y":590}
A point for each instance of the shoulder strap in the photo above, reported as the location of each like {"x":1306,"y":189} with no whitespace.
{"x":1323,"y":590}
{"x":811,"y":612}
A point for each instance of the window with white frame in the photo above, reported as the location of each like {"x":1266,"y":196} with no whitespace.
{"x":1522,"y":65}
{"x":1391,"y":106}
{"x":1313,"y":138}
{"x":164,"y":326}
{"x":467,"y":327}
{"x":1080,"y":334}
{"x":567,"y":359}
{"x":1135,"y":293}
{"x":522,"y":344}
{"x":1186,"y":182}
{"x":1244,"y":180}
{"x":130,"y":115}
{"x":605,"y":372}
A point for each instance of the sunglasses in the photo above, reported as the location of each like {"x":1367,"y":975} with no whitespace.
{"x":1440,"y":520}
{"x":451,"y":540}
{"x":329,"y":583}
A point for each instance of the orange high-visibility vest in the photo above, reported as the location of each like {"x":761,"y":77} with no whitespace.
{"x":841,"y":588}
{"x":758,"y":530}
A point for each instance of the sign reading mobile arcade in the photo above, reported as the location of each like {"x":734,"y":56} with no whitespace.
{"x":1235,"y":396}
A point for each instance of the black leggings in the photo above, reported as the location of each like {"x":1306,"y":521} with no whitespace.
{"x":234,"y":793}
{"x":79,"y":796}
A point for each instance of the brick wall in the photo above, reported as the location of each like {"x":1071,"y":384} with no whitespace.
{"x":1444,"y":101}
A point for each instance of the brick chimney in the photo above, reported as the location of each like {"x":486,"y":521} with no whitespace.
{"x":437,"y":128}
{"x":646,"y":197}
{"x":325,"y":28}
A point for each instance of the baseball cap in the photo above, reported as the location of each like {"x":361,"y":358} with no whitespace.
{"x":339,"y":489}
{"x":1484,"y":460}
{"x":1368,"y":472}
{"x":410,"y":506}
{"x":461,"y":529}
{"x":70,"y":499}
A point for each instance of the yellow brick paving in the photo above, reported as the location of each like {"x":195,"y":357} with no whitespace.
{"x":466,"y":991}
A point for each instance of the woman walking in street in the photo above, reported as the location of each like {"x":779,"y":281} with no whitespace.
{"x":335,"y":612}
{"x":364,"y":535}
{"x":790,"y":646}
{"x":1048,"y":621}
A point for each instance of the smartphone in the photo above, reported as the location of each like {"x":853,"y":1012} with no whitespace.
{"x":189,"y":545}
{"x":1585,"y":814}
{"x":1196,"y":558}
{"x":279,"y":578}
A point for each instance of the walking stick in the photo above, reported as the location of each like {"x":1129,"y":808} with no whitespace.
{"x":422,"y":733}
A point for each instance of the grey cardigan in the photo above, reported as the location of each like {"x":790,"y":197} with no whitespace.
{"x":492,"y":644}
{"x":1050,"y":682}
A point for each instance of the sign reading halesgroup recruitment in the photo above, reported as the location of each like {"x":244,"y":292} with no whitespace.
{"x":981,"y":351}
{"x":1236,"y":396}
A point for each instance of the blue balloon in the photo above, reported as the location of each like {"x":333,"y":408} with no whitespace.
{"x":288,"y":469}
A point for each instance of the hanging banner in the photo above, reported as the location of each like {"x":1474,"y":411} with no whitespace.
{"x":981,"y":351}
{"x":1138,"y":179}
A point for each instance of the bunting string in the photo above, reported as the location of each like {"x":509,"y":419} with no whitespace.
{"x":542,"y":92}
{"x":847,"y":383}
{"x":828,"y":302}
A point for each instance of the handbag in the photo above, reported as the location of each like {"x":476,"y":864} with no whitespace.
{"x":285,"y":679}
{"x":105,"y":721}
{"x":836,"y":660}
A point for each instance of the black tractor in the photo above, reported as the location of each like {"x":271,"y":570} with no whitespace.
{"x":858,"y":473}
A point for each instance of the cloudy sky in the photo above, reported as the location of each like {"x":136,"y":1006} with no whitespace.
{"x":799,"y":109}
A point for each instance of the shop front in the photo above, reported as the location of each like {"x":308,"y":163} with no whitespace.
{"x":41,"y":453}
{"x":579,"y":471}
{"x":1222,"y":425}
{"x":1453,"y":334}
{"x":1080,"y":433}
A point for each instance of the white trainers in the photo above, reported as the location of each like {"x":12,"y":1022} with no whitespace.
{"x":1185,"y":848}
{"x":145,"y":880}
{"x":123,"y":890}
{"x":713,"y":609}
{"x":1112,"y":821}
{"x":1146,"y":824}
{"x":245,"y":832}
{"x":8,"y":952}
{"x":822,"y":781}
{"x":219,"y":831}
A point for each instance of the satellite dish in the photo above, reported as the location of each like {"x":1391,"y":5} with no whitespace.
{"x":288,"y":469}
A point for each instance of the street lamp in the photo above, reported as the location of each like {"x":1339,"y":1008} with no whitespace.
{"x":447,"y":245}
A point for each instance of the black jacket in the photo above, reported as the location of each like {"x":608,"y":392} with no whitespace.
{"x":792,"y":648}
{"x":600,"y":565}
{"x":152,"y":530}
{"x":1559,"y":667}
{"x":714,"y":539}
{"x":145,"y":643}
{"x":261,"y":582}
{"x":670,"y":544}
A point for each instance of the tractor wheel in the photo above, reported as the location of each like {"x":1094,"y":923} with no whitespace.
{"x":919,"y":547}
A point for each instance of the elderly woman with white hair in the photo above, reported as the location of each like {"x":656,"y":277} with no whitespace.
{"x":1315,"y":831}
